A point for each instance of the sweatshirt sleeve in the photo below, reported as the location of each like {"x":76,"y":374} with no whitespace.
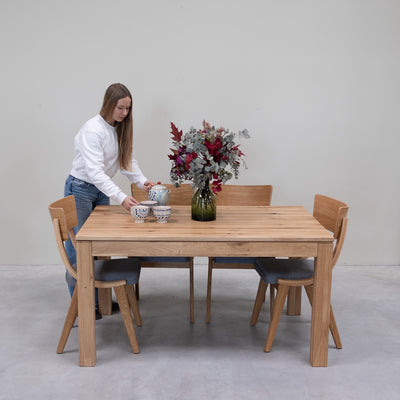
{"x":136,"y":175}
{"x":90,"y":145}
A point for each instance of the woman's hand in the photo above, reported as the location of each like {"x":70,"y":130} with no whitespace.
{"x":148,"y":185}
{"x":129,"y":202}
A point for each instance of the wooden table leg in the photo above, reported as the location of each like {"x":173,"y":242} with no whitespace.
{"x":321,"y":306}
{"x":86,"y":306}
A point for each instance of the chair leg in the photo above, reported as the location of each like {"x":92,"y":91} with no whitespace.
{"x":130,"y":292}
{"x":69,"y":321}
{"x":105,"y":301}
{"x":309,"y":292}
{"x":334,"y":330}
{"x":294,"y":297}
{"x":105,"y":294}
{"x":262,"y":288}
{"x":278,"y":307}
{"x":210,"y":267}
{"x":332,"y":323}
{"x":137,"y":291}
{"x":127,"y":317}
{"x":271,"y":300}
{"x":294,"y":301}
{"x":191,"y":285}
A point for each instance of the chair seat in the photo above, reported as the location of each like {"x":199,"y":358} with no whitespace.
{"x":127,"y":269}
{"x":165,"y":259}
{"x":272,"y":269}
{"x":234,"y":260}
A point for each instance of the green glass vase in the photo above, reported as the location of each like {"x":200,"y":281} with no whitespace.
{"x":204,"y":204}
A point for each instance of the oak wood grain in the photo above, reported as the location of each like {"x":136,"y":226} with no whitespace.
{"x":233,"y":223}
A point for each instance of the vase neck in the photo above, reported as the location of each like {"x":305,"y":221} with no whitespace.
{"x":206,"y":186}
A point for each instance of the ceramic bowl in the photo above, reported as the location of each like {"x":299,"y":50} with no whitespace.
{"x":150,"y":204}
{"x":139,"y":213}
{"x":162,"y":213}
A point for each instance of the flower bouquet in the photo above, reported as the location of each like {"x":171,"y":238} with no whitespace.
{"x":206,"y":157}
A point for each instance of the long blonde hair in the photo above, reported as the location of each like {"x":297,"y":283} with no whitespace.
{"x":124,"y":129}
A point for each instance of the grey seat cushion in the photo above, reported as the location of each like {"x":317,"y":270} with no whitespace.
{"x":234,"y":260}
{"x":127,"y":269}
{"x":270,"y":269}
{"x":165,"y":259}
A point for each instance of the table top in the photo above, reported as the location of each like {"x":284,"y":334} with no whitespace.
{"x":233,"y":223}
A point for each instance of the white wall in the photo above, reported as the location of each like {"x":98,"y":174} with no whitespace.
{"x":316,"y":83}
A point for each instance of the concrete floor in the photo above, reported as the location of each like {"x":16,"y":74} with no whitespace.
{"x":223,"y":360}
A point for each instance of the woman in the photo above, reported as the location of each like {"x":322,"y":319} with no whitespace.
{"x":101,"y":148}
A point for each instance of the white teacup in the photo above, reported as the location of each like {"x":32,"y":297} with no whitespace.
{"x":150,"y":204}
{"x":139,"y":213}
{"x":162,"y":213}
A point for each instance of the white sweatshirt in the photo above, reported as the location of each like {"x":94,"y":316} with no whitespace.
{"x":96,"y":159}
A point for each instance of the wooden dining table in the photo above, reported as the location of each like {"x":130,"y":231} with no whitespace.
{"x":287,"y":231}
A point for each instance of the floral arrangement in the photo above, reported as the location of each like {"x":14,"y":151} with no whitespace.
{"x":203,"y":156}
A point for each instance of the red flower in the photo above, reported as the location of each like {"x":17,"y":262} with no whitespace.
{"x":237,"y":151}
{"x":189,"y":158}
{"x":216,"y":186}
{"x":214,"y":148}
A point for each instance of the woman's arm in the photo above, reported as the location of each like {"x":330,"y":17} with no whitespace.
{"x":91,"y":149}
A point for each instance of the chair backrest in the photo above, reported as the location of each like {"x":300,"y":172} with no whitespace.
{"x":245,"y":195}
{"x":331,"y":214}
{"x":240,"y":195}
{"x":178,"y":196}
{"x":64,"y":217}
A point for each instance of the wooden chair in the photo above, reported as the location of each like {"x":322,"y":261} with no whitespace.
{"x":282,"y":274}
{"x":120,"y":275}
{"x":178,"y":196}
{"x":238,"y":195}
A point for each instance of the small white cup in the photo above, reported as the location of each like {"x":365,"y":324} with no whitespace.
{"x":139,"y":213}
{"x":162,"y":213}
{"x":150,"y":204}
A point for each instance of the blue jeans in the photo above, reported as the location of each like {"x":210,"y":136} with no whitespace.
{"x":87,"y":197}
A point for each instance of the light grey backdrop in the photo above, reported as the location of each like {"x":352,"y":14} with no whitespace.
{"x":316,"y":83}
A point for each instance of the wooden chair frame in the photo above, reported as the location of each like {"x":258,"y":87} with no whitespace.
{"x":331,"y":214}
{"x":181,"y":195}
{"x":64,"y":218}
{"x":238,"y":195}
